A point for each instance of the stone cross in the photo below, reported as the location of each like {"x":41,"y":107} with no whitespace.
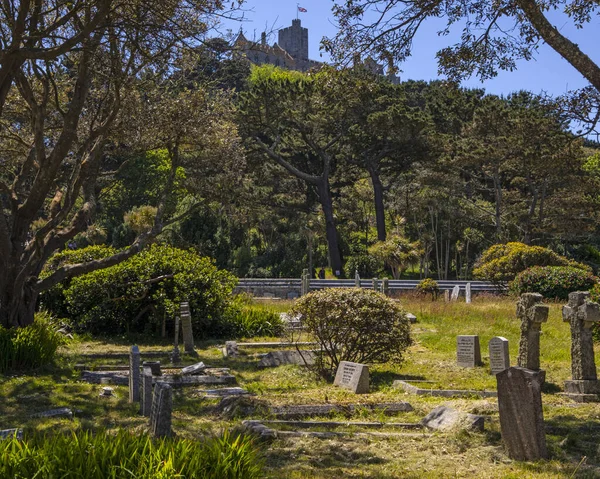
{"x":134,"y":374}
{"x":455,"y":293}
{"x":356,"y":279}
{"x":175,"y":356}
{"x":468,"y":293}
{"x":186,"y":323}
{"x":581,"y":314}
{"x":146,"y":391}
{"x":468,"y":352}
{"x":162,"y":406}
{"x":521,"y":415}
{"x":532,"y":314}
{"x":499,"y":357}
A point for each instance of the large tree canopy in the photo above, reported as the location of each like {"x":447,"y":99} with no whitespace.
{"x":495,"y":35}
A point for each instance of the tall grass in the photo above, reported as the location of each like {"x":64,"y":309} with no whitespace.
{"x":29,"y":347}
{"x":84,"y":455}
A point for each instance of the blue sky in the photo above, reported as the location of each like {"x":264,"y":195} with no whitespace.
{"x":548,"y":72}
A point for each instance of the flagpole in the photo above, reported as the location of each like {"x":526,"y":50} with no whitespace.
{"x":297,"y":10}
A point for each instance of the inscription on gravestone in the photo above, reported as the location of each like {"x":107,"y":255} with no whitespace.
{"x":499,"y":358}
{"x":468,"y":351}
{"x":353,"y":376}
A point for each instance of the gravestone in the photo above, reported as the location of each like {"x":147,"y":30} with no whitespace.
{"x":193,"y":369}
{"x":175,"y":356}
{"x":455,"y":293}
{"x":581,"y":314}
{"x":375,"y":284}
{"x":468,"y":352}
{"x":468,"y":293}
{"x":186,"y":324}
{"x":154,"y":367}
{"x":289,"y":356}
{"x":356,"y":279}
{"x":146,"y":391}
{"x":230,"y":349}
{"x":499,"y":357}
{"x":162,"y":406}
{"x":532,"y":314}
{"x":134,"y":374}
{"x":444,"y":418}
{"x":411,"y":317}
{"x":447,"y":295}
{"x":385,"y":286}
{"x":521,"y":415}
{"x":352,"y":376}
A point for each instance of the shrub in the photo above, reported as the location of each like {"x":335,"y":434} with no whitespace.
{"x":353,"y":325}
{"x":138,"y":294}
{"x":502,"y":262}
{"x":29,"y":347}
{"x":367,"y":266}
{"x":428,"y":286}
{"x":250,"y":321}
{"x":553,"y":281}
{"x":83,"y":455}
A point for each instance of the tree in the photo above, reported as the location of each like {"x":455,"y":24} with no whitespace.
{"x":495,"y":35}
{"x":397,"y":252}
{"x":71,"y":74}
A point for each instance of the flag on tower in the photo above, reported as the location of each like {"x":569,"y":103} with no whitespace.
{"x":303,"y":10}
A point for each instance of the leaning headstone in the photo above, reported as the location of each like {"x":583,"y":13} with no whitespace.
{"x":146,"y":391}
{"x":468,"y":351}
{"x":154,"y":367}
{"x":581,"y":314}
{"x":162,"y":405}
{"x":193,"y":369}
{"x":291,"y":356}
{"x":455,"y":293}
{"x":468,"y":293}
{"x":186,"y":323}
{"x":499,"y":358}
{"x":444,"y":418}
{"x":230,"y":349}
{"x":521,"y":415}
{"x":352,"y":376}
{"x":134,"y":374}
{"x":532,"y":314}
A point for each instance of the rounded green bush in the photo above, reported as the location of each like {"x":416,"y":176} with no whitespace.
{"x":428,"y":286}
{"x":503,"y":262}
{"x":354,"y":324}
{"x":553,"y":281}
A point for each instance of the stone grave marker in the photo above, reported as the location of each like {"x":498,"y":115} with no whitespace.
{"x":468,"y":293}
{"x":444,"y":418}
{"x":154,"y":367}
{"x":231,"y":349}
{"x":134,"y":374}
{"x":499,"y":357}
{"x":581,"y":314}
{"x":532,"y":314}
{"x":446,"y":295}
{"x":356,"y":279}
{"x":162,"y":406}
{"x":455,"y":293}
{"x":193,"y":369}
{"x":375,"y":284}
{"x":521,"y":415}
{"x":411,"y":317}
{"x":353,"y":376}
{"x":289,"y":356}
{"x":385,"y":286}
{"x":468,"y":351}
{"x":175,"y":356}
{"x":186,"y":323}
{"x":146,"y":391}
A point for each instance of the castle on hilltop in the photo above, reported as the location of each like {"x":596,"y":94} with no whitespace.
{"x":291,"y":51}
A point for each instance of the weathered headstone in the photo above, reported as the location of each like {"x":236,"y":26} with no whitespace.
{"x":455,"y":293}
{"x":154,"y":367}
{"x":230,"y":349}
{"x":581,"y":314}
{"x":289,"y":356}
{"x":175,"y":356}
{"x":193,"y":369}
{"x":468,"y":351}
{"x":356,"y":279}
{"x":446,"y":295}
{"x":468,"y":293}
{"x":385,"y":286}
{"x":532,"y":314}
{"x":134,"y":374}
{"x":146,"y":391}
{"x":499,"y":357}
{"x":521,"y":415}
{"x":186,"y":323}
{"x":375,"y":284}
{"x":411,"y":317}
{"x":305,"y":282}
{"x":162,"y":406}
{"x":352,"y":376}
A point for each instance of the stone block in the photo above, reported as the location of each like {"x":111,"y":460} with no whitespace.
{"x":353,"y":376}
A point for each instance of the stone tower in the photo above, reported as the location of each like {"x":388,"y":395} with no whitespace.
{"x":294,"y":40}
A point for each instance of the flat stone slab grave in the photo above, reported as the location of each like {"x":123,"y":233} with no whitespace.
{"x":223,"y":392}
{"x":289,"y":356}
{"x":442,"y":392}
{"x":305,"y":410}
{"x":352,"y":376}
{"x":119,"y":377}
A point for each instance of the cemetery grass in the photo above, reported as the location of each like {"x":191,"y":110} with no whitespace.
{"x":573,"y":430}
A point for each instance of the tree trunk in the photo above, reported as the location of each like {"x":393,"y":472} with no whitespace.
{"x":332,"y":235}
{"x":17,"y":304}
{"x":379,"y":206}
